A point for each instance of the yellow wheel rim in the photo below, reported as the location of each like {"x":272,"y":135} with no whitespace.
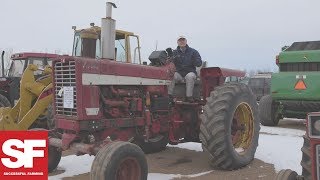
{"x":242,"y":128}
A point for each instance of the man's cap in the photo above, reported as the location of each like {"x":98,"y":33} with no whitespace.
{"x":181,"y":37}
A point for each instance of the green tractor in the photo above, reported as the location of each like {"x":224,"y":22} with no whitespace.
{"x":295,"y":90}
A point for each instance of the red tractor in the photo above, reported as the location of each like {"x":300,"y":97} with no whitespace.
{"x":116,"y":111}
{"x":10,"y":81}
{"x":311,"y":148}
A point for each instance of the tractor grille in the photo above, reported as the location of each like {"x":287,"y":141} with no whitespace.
{"x":318,"y":161}
{"x":65,"y":76}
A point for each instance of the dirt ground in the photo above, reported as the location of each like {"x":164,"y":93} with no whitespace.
{"x":187,"y":162}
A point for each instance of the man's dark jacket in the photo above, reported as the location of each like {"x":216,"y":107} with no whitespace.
{"x":187,"y":61}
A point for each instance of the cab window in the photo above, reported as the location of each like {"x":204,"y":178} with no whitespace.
{"x":41,"y":63}
{"x":98,"y":49}
{"x":16,"y":68}
{"x":77,"y":45}
{"x":231,"y":79}
{"x":134,"y":49}
{"x":120,"y":45}
{"x":49,"y":62}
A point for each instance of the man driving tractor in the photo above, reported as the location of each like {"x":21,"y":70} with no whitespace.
{"x":186,"y":59}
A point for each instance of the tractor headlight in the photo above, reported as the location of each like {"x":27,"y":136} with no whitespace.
{"x":314,"y":125}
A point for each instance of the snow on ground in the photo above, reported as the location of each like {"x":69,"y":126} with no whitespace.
{"x":282,"y":151}
{"x":70,"y":164}
{"x":278,"y":146}
{"x":282,"y":131}
{"x":282,"y":148}
{"x":189,"y":145}
{"x":159,"y":176}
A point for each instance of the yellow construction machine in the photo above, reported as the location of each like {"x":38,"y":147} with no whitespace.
{"x":33,"y":109}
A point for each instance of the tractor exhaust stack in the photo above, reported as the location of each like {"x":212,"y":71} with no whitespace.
{"x":108,"y":33}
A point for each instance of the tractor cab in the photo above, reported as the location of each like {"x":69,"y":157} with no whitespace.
{"x":87,"y":43}
{"x":20,"y":61}
{"x":9,"y":86}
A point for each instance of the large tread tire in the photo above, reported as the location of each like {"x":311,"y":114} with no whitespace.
{"x":217,"y":119}
{"x":153,"y":145}
{"x":306,"y":159}
{"x":286,"y":174}
{"x":4,"y":102}
{"x":55,"y":153}
{"x":267,"y":112}
{"x":111,"y":157}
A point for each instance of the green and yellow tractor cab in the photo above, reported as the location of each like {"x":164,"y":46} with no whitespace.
{"x":87,"y":43}
{"x":295,"y":89}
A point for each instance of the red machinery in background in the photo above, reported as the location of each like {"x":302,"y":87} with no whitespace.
{"x":310,"y":161}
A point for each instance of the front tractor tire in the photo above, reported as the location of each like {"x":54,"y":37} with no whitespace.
{"x":54,"y":158}
{"x":54,"y":153}
{"x":121,"y":161}
{"x":229,"y":130}
{"x":286,"y":174}
{"x":268,"y":111}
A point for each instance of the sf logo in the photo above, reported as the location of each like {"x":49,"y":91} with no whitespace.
{"x":23,"y":158}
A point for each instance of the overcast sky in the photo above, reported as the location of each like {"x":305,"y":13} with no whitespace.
{"x":245,"y":34}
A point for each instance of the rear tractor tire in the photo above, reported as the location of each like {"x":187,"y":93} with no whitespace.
{"x":286,"y":174}
{"x":229,"y":130}
{"x":268,"y":111}
{"x":121,"y":161}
